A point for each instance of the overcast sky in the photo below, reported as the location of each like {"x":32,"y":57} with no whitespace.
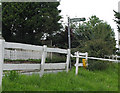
{"x":86,"y":8}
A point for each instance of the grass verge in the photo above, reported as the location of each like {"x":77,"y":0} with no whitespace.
{"x":105,"y":80}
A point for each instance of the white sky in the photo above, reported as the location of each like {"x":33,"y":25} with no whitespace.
{"x":86,"y":8}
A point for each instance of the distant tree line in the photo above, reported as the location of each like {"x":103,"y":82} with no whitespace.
{"x":39,"y":23}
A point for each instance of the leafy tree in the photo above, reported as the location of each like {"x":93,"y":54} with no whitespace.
{"x":61,"y":39}
{"x":117,"y":19}
{"x":30,"y":22}
{"x":95,"y":37}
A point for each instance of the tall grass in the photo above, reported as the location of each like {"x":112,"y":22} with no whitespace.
{"x":106,"y":80}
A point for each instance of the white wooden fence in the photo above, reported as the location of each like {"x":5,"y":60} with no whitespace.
{"x":15,"y":52}
{"x":77,"y":54}
{"x":85,"y":56}
{"x":5,"y":47}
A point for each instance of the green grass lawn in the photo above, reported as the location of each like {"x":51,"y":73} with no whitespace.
{"x":106,"y":80}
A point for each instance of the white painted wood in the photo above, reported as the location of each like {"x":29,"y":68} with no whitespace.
{"x":77,"y":62}
{"x":98,"y":58}
{"x":22,"y":46}
{"x":86,"y":59}
{"x":54,"y":66}
{"x":1,"y":61}
{"x":82,"y":54}
{"x":68,"y":59}
{"x":50,"y":71}
{"x":54,"y":71}
{"x":43,"y":60}
{"x":47,"y":66}
{"x":21,"y":66}
{"x":57,"y":50}
{"x":22,"y":54}
{"x":80,"y":64}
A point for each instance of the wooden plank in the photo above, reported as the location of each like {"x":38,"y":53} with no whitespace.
{"x":68,"y":60}
{"x":55,"y":66}
{"x":23,"y":46}
{"x":44,"y":55}
{"x":97,"y":58}
{"x":48,"y":71}
{"x":82,"y":54}
{"x":54,"y":71}
{"x":22,"y":54}
{"x":80,"y":64}
{"x":57,"y":50}
{"x":1,"y":61}
{"x":77,"y":61}
{"x":21,"y":66}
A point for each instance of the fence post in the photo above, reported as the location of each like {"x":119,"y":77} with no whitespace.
{"x":86,"y":58}
{"x":77,"y":62}
{"x":1,"y":61}
{"x":68,"y":60}
{"x":44,"y":54}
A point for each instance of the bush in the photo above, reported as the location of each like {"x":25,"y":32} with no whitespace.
{"x":97,"y":65}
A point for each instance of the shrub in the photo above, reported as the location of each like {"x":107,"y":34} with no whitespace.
{"x":97,"y":65}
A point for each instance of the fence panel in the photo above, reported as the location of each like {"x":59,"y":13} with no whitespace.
{"x":1,"y":61}
{"x":21,"y":66}
{"x":57,"y":50}
{"x":54,"y":66}
{"x":22,"y":46}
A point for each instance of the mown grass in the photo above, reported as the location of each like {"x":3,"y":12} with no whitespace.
{"x":106,"y":80}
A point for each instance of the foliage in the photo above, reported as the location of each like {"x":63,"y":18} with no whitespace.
{"x":117,"y":19}
{"x":30,"y":22}
{"x":12,"y":75}
{"x":95,"y":37}
{"x":61,"y":39}
{"x":85,"y":81}
{"x":97,"y":65}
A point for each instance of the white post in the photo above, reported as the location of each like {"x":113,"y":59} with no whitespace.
{"x":44,"y":54}
{"x":68,"y":60}
{"x":116,"y":57}
{"x":77,"y":62}
{"x":1,"y":61}
{"x":86,"y":58}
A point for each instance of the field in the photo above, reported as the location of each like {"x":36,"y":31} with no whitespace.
{"x":86,"y":80}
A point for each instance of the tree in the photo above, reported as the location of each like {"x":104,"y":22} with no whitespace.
{"x":117,"y":19}
{"x":30,"y":22}
{"x":61,"y":39}
{"x":95,"y":37}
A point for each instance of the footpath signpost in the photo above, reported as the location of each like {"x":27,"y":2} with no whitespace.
{"x":70,"y":21}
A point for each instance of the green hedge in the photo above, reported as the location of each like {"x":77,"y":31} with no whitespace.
{"x":98,"y":65}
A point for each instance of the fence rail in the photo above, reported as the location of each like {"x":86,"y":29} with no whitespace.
{"x":85,"y":57}
{"x":10,"y":50}
{"x":33,"y":66}
{"x":22,"y":46}
{"x":97,"y":58}
{"x":14,"y":51}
